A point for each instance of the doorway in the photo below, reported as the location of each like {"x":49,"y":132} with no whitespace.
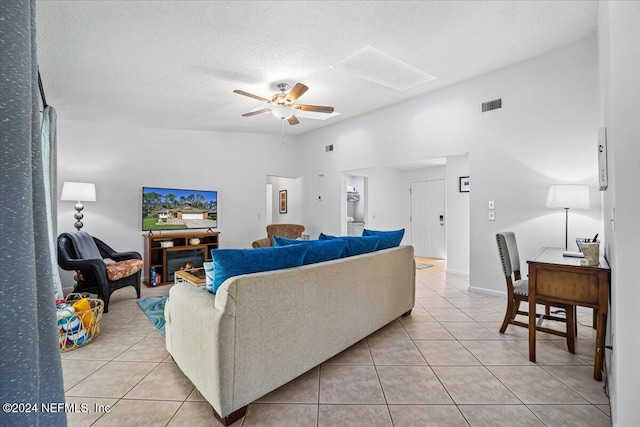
{"x":356,"y":204}
{"x":281,"y":188}
{"x":427,"y":218}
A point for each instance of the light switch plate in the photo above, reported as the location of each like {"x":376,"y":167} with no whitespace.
{"x":492,"y":216}
{"x":492,"y":205}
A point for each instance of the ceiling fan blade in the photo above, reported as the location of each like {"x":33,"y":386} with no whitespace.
{"x":250,"y":95}
{"x":315,"y":108}
{"x":298,"y":90}
{"x":253,"y":113}
{"x":293,"y":120}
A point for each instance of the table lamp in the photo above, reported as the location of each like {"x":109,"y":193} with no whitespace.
{"x":568,"y":196}
{"x":80,"y":192}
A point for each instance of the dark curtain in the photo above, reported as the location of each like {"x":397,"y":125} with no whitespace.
{"x":30,"y":368}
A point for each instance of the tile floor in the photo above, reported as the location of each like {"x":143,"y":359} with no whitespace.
{"x":445,"y":365}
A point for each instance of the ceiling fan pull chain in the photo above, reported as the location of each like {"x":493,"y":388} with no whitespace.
{"x":282,"y":120}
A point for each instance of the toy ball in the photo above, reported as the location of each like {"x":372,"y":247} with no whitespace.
{"x":79,"y":337}
{"x":69,"y":324}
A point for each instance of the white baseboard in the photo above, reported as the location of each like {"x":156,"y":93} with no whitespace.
{"x":486,"y":291}
{"x":458,"y":272}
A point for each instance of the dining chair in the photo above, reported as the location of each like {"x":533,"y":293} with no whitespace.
{"x":518,"y":291}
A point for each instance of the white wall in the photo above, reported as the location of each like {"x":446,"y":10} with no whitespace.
{"x":457,"y":218}
{"x":294,"y":214}
{"x":619,"y":44}
{"x":545,"y":134}
{"x":120,"y":161}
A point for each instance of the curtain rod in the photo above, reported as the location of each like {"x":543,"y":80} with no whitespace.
{"x":44,"y":98}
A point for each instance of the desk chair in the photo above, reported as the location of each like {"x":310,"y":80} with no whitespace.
{"x":518,"y":291}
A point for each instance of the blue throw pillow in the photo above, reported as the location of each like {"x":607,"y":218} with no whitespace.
{"x":319,"y":250}
{"x":354,"y":245}
{"x":234,"y":262}
{"x":388,"y":239}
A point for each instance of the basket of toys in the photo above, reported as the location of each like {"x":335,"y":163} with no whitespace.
{"x":78,"y":320}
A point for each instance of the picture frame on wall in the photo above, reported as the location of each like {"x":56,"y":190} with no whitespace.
{"x":283,"y":201}
{"x":464,"y":184}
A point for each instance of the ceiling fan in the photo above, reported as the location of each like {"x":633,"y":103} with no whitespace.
{"x":282,"y":105}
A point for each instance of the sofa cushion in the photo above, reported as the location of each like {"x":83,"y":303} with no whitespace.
{"x":388,"y":239}
{"x":234,"y":262}
{"x":354,"y":245}
{"x":319,"y":250}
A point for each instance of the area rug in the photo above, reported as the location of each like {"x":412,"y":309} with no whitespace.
{"x":154,"y":309}
{"x":422,"y":265}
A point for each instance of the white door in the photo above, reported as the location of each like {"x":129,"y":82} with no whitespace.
{"x":427,"y":218}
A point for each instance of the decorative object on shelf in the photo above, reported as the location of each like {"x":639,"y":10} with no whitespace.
{"x":166,"y":243}
{"x":194,"y":241}
{"x":603,"y":176}
{"x":591,"y":253}
{"x":568,"y":196}
{"x":283,"y":201}
{"x":80,"y":192}
{"x":464,"y":184}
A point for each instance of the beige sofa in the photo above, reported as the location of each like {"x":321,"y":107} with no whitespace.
{"x":262,"y":330}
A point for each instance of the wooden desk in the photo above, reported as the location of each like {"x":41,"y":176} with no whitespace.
{"x":555,"y":278}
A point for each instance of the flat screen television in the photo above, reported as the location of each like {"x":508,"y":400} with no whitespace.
{"x":178,"y":209}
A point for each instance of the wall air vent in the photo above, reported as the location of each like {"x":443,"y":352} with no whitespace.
{"x":328,"y":148}
{"x":491,"y":105}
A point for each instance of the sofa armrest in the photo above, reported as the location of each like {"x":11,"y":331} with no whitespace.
{"x":200,"y":336}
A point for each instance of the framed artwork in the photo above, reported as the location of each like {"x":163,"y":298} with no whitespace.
{"x":283,"y":201}
{"x":464,"y":184}
{"x":603,"y":177}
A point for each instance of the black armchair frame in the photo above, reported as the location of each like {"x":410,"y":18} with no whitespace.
{"x":94,"y":272}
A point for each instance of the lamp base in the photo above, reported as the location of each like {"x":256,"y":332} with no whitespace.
{"x":78,"y":216}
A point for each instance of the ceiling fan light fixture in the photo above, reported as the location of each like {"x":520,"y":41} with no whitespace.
{"x":281,"y":112}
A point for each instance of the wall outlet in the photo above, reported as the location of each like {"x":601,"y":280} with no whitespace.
{"x":492,"y":204}
{"x":492,"y":216}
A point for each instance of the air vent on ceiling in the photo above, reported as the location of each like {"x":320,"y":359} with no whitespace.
{"x":328,"y":148}
{"x":491,"y":105}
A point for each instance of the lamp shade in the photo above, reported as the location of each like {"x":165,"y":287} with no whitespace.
{"x":568,"y":196}
{"x":78,"y":191}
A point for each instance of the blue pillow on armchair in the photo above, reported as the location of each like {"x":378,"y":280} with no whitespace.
{"x":319,"y":250}
{"x":354,"y":245}
{"x":234,"y":262}
{"x":388,"y":239}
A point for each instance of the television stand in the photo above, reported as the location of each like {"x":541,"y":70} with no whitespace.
{"x":169,"y":252}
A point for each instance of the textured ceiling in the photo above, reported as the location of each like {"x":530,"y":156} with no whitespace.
{"x":175,"y":64}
